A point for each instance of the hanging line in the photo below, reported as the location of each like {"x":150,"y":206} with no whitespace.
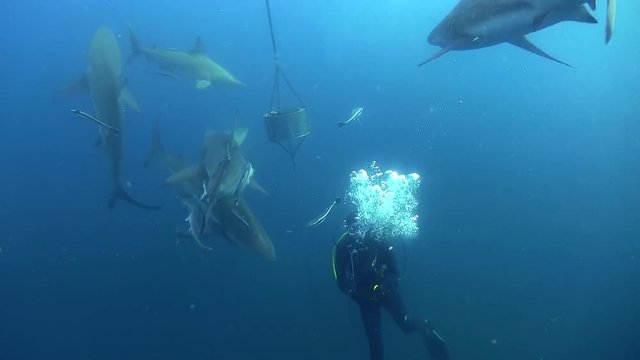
{"x":275,"y":95}
{"x":292,"y":150}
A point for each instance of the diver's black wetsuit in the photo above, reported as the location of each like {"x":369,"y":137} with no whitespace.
{"x":367,"y":271}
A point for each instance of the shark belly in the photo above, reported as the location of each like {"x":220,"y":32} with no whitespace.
{"x":176,"y":62}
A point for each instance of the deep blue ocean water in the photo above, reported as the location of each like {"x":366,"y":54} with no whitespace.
{"x":529,"y":245}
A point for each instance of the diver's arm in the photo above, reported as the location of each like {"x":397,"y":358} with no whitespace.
{"x":389,"y":274}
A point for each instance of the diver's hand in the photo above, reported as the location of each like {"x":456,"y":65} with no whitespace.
{"x":353,"y":294}
{"x":381,"y":289}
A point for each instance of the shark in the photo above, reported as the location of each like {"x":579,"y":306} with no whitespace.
{"x":103,"y":79}
{"x":229,"y":218}
{"x":223,"y":171}
{"x":474,"y":24}
{"x":234,"y":222}
{"x":194,"y":64}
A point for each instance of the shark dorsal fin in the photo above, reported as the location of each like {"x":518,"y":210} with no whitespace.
{"x":198,"y":47}
{"x":239,"y":134}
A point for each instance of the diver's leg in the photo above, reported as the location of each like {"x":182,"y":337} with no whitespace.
{"x":436,"y":346}
{"x":370,"y":314}
{"x":392,"y":301}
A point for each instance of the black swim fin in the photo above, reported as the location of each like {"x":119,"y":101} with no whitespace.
{"x":436,"y":346}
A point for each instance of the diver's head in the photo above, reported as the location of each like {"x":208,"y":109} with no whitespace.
{"x":351,"y":219}
{"x":355,"y":227}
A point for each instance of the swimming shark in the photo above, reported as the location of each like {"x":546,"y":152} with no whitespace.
{"x":223,"y":171}
{"x":103,"y":79}
{"x":234,"y":222}
{"x":194,"y":64}
{"x":474,"y":24}
{"x":230,"y":218}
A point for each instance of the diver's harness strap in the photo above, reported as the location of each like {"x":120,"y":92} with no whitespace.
{"x":350,"y":274}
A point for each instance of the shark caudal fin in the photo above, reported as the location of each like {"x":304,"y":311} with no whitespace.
{"x":119,"y":192}
{"x":136,"y":47}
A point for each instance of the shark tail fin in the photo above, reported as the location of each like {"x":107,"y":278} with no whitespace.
{"x":136,"y":47}
{"x":120,"y":193}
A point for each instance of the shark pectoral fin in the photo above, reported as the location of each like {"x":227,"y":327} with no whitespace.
{"x":611,"y":20}
{"x":78,"y":85}
{"x":189,"y":173}
{"x":127,"y":97}
{"x":253,"y":184}
{"x":202,"y":84}
{"x":440,"y":52}
{"x":525,"y":44}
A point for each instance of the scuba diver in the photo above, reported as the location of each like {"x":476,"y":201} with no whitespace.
{"x":365,"y":269}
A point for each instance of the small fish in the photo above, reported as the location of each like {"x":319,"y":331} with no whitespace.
{"x":320,"y":219}
{"x":355,"y":115}
{"x":196,"y":219}
{"x":93,"y":118}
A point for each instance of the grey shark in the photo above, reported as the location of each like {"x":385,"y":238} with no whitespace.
{"x":474,"y":24}
{"x":103,"y":80}
{"x":194,"y":64}
{"x":229,"y":218}
{"x":223,"y":170}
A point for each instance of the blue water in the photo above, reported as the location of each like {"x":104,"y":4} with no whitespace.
{"x":530,"y":202}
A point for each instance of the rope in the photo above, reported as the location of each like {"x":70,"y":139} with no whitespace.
{"x":275,"y":96}
{"x":293,"y":91}
{"x":273,"y":38}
